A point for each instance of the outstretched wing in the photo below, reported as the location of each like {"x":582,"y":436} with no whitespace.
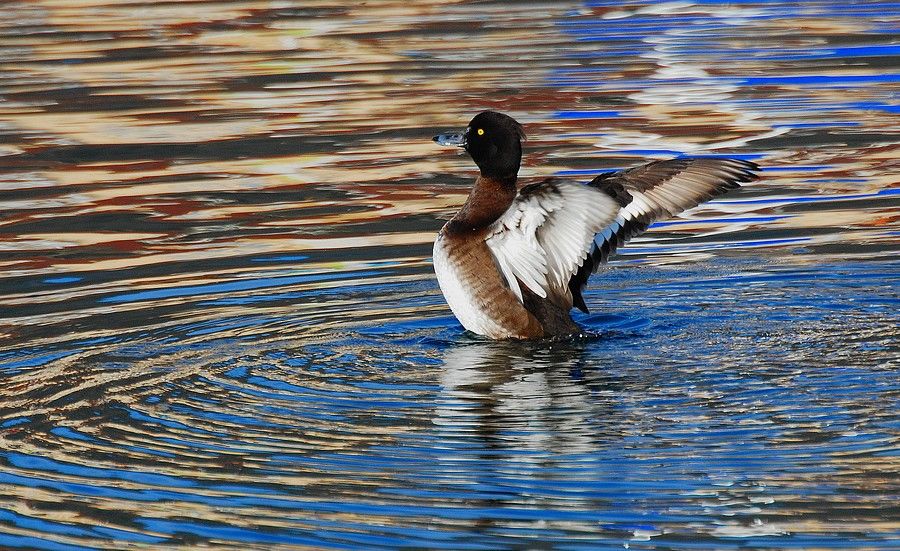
{"x":547,"y":233}
{"x":658,"y":190}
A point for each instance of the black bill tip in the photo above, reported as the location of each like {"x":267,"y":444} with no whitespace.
{"x":457,"y":139}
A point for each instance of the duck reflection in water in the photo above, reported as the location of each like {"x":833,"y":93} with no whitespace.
{"x":523,"y":396}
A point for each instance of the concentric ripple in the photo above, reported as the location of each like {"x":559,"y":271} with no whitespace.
{"x":414,"y":434}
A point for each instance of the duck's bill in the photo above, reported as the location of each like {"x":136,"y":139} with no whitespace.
{"x":451,"y":138}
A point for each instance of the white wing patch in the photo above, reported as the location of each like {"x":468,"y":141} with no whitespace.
{"x":546,"y":234}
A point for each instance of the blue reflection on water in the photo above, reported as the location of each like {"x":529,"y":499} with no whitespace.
{"x":43,"y":464}
{"x":231,"y":286}
{"x":586,"y":114}
{"x":62,"y":280}
{"x":33,"y":359}
{"x":66,"y":530}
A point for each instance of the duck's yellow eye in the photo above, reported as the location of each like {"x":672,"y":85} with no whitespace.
{"x":481,"y":131}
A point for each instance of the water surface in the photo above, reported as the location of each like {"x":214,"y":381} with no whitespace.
{"x":219,"y":324}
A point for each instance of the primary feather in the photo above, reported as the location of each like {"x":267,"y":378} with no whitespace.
{"x":658,"y":190}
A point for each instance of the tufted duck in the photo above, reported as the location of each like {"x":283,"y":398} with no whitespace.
{"x":513,"y":263}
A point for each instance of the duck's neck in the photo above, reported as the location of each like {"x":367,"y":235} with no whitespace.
{"x":488,"y":200}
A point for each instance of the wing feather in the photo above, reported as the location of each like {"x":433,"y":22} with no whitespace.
{"x":547,"y":233}
{"x":658,"y":189}
{"x":555,"y":234}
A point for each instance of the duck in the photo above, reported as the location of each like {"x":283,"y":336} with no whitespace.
{"x":513,"y":262}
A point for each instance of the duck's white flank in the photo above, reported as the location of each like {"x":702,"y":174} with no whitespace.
{"x":460,"y":295}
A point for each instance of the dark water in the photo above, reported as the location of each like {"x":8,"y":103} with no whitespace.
{"x":219,"y":325}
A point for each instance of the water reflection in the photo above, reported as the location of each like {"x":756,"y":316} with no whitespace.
{"x":523,"y":398}
{"x":218,"y":317}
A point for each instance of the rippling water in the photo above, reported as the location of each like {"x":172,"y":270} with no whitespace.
{"x":219,"y":325}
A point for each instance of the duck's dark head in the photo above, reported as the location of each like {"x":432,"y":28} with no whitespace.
{"x":493,"y":140}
